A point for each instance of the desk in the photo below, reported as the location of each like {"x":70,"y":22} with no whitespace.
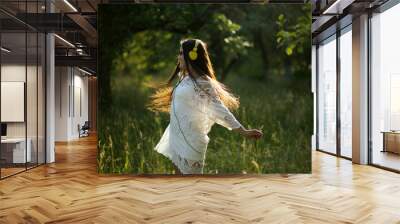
{"x":15,"y":148}
{"x":391,"y":141}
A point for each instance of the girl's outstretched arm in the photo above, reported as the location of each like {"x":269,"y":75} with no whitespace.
{"x":221,"y":114}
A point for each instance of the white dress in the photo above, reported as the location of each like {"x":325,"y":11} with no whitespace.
{"x":193,"y":113}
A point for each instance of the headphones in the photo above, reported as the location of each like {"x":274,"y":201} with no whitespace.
{"x":193,"y":52}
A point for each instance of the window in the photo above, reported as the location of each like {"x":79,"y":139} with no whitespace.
{"x":385,"y":88}
{"x":346,"y":92}
{"x":327,"y":95}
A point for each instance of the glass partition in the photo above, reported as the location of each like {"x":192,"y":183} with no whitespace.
{"x":14,"y":153}
{"x":22,"y":67}
{"x":41,"y":87}
{"x":32,"y":95}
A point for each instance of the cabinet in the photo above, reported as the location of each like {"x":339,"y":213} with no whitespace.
{"x":391,"y":141}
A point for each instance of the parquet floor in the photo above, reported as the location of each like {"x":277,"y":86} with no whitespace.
{"x":70,"y":191}
{"x":11,"y":170}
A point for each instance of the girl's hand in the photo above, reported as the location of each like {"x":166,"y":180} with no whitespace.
{"x":253,"y":133}
{"x":250,"y":133}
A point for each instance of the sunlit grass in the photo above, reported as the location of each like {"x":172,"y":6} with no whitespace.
{"x":128,"y":132}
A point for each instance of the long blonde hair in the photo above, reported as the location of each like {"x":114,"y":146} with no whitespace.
{"x":161,"y":99}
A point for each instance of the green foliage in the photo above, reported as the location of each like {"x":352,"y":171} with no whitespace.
{"x":295,"y":38}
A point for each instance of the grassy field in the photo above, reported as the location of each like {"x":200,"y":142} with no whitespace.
{"x":282,"y":109}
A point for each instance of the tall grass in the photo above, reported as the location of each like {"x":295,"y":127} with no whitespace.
{"x":128,"y":132}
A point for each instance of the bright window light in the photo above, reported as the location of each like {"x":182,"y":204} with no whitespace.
{"x":5,"y":50}
{"x":86,"y":72}
{"x":70,"y":5}
{"x":64,"y":40}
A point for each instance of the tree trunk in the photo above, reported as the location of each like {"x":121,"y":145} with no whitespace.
{"x":287,"y":67}
{"x":228,"y":68}
{"x":258,"y":37}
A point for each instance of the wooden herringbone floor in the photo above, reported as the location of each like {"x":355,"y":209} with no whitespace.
{"x":70,"y":191}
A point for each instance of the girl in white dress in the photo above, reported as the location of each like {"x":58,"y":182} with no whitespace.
{"x":196,"y":102}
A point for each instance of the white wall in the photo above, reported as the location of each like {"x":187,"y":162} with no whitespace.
{"x":62,"y":81}
{"x":12,"y":73}
{"x":71,"y":87}
{"x":33,"y":127}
